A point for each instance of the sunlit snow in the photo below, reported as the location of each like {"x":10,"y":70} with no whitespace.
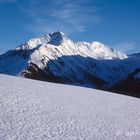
{"x":32,"y":110}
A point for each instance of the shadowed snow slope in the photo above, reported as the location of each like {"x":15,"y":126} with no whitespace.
{"x":39,"y":110}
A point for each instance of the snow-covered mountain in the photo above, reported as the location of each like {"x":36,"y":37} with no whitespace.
{"x":35,"y":110}
{"x":55,"y":57}
{"x":59,"y":45}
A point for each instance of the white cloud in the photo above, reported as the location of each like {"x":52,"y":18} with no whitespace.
{"x":126,"y":47}
{"x":65,"y":15}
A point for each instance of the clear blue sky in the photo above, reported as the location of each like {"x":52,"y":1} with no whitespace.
{"x":113,"y":22}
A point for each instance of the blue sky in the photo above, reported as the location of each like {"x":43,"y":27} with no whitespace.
{"x":115,"y":23}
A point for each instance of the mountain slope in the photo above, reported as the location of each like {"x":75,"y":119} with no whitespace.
{"x":130,"y":85}
{"x":54,"y":57}
{"x":39,"y":110}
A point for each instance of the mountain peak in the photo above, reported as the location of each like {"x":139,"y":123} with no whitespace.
{"x":68,"y":47}
{"x":57,"y":38}
{"x":58,"y":33}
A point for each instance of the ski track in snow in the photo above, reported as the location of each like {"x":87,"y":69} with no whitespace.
{"x":34,"y":110}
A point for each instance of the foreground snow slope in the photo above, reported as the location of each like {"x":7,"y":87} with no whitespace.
{"x":32,"y":110}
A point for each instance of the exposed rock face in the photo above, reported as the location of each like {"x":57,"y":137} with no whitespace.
{"x":34,"y":72}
